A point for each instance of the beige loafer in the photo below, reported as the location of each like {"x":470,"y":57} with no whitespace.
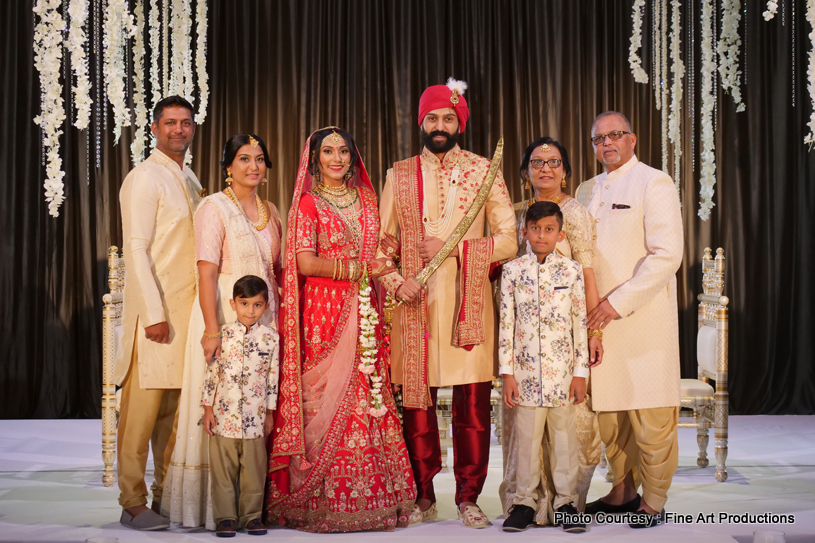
{"x":473,"y":517}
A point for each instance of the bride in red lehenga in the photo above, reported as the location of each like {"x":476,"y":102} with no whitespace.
{"x":339,"y":462}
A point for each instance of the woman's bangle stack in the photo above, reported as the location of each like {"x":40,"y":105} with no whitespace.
{"x":212,"y":336}
{"x":595,"y":333}
{"x":349,"y":270}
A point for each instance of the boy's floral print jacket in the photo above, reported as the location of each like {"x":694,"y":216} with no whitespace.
{"x":542,"y":331}
{"x":242,"y":384}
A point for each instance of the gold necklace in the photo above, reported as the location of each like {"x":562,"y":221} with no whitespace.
{"x":556,"y":200}
{"x":263,"y":217}
{"x":341,"y":198}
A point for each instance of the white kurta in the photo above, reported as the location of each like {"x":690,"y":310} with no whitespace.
{"x":638,"y":252}
{"x":157,"y":200}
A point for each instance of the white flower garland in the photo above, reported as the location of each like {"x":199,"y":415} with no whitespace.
{"x":47,"y":58}
{"x":189,"y":84}
{"x":708,"y":172}
{"x":657,"y":47}
{"x":810,"y":138}
{"x":78,"y":11}
{"x":180,"y":62}
{"x":201,"y":60}
{"x":369,"y":347}
{"x":772,"y":9}
{"x":155,"y":52}
{"x":678,"y":70}
{"x":729,"y":49}
{"x":139,"y":143}
{"x":118,"y":28}
{"x":634,"y":60}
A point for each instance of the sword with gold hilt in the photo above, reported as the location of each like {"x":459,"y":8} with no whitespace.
{"x":461,"y":229}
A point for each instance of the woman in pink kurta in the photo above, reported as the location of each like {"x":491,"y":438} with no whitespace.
{"x":230,"y":242}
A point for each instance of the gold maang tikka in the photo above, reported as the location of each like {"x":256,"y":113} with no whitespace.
{"x":253,"y":142}
{"x":545,"y":148}
{"x":336,"y":139}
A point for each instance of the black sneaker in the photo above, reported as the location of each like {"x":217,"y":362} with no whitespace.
{"x":648,"y":521}
{"x":520,"y":518}
{"x":226,"y":528}
{"x":255,"y":527}
{"x":571,"y":524}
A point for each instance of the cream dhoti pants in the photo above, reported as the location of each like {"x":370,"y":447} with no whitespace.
{"x":559,"y":425}
{"x":645,"y":443}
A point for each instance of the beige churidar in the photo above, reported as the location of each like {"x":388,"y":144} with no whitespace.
{"x":559,"y":425}
{"x":157,"y":200}
{"x":460,"y":366}
{"x":644,"y":442}
{"x":237,"y":465}
{"x":637,"y":254}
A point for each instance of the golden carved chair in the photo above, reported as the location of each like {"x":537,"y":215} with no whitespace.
{"x":111,"y":324}
{"x":702,"y":405}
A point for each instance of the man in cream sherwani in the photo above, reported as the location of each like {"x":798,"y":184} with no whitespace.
{"x":158,"y":198}
{"x":636,"y":388}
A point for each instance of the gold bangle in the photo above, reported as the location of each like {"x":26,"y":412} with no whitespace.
{"x":212,"y":336}
{"x":595,"y":333}
{"x":334,"y":272}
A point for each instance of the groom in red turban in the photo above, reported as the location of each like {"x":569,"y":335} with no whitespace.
{"x":444,"y":336}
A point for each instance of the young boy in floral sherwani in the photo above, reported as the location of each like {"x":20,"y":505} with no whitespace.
{"x":239,"y":393}
{"x":544,"y":364}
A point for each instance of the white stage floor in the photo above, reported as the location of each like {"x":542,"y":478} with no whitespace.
{"x":51,"y":490}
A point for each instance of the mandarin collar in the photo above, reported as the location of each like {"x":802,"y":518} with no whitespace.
{"x":165,"y":160}
{"x":532,"y":259}
{"x":624,"y":169}
{"x":450,"y":158}
{"x":242,"y":327}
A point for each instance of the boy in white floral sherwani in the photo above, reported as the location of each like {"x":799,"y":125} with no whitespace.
{"x":544,"y":364}
{"x":239,"y":394}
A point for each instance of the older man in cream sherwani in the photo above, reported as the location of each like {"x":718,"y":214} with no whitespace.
{"x":158,"y":198}
{"x":636,"y":388}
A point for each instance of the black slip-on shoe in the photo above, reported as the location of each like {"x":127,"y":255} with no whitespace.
{"x":647,"y":520}
{"x":255,"y":527}
{"x":226,"y":528}
{"x":572,"y":522}
{"x":520,"y":518}
{"x":599,"y":506}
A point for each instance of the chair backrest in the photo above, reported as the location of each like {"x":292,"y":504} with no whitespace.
{"x":711,"y":339}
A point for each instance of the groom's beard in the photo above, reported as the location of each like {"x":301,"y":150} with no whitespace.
{"x":439,"y":147}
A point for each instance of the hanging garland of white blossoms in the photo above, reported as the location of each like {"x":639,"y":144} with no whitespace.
{"x":78,"y":12}
{"x":119,"y":27}
{"x":155,"y":47}
{"x":634,"y":59}
{"x":708,"y":155}
{"x":772,"y":9}
{"x":47,"y":58}
{"x":729,"y":49}
{"x":810,"y":138}
{"x":139,"y":143}
{"x":369,"y":347}
{"x":678,"y":71}
{"x":201,"y":60}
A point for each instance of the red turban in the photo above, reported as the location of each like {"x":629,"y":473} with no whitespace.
{"x":443,"y":96}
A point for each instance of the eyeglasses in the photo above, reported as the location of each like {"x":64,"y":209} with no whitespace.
{"x":538,"y":163}
{"x":613,"y":136}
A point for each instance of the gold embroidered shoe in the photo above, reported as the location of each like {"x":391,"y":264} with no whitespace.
{"x":473,"y":517}
{"x":431,"y":513}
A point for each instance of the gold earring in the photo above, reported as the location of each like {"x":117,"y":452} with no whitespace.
{"x":563,"y":182}
{"x":264,"y":181}
{"x":527,"y":186}
{"x":228,"y":178}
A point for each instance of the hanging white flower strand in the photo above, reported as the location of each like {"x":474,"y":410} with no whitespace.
{"x":139,"y":143}
{"x":678,"y":71}
{"x":201,"y":60}
{"x":634,"y":59}
{"x":708,"y":155}
{"x":369,"y":346}
{"x":810,"y":138}
{"x":155,"y":52}
{"x":772,"y":9}
{"x":47,"y":57}
{"x":729,"y":50}
{"x":78,"y":12}
{"x":119,"y":27}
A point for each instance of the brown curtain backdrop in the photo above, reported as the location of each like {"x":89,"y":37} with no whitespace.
{"x":284,"y":68}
